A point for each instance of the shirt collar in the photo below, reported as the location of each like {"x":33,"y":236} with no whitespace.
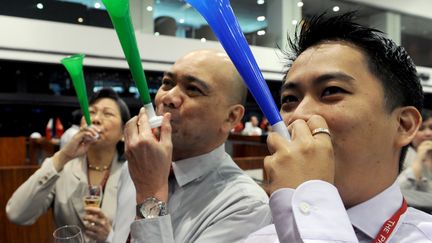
{"x":376,"y":210}
{"x":190,"y":169}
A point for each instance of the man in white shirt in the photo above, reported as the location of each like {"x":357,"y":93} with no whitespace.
{"x":351,"y":100}
{"x":209,"y":199}
{"x":74,"y":129}
{"x":252,"y":128}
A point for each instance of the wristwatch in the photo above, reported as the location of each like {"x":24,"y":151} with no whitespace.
{"x":151,"y":208}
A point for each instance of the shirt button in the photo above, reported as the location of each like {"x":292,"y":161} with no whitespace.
{"x":304,"y":207}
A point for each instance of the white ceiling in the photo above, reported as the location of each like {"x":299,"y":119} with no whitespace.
{"x":422,"y":8}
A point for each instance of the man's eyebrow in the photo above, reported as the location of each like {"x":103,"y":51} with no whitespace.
{"x":291,"y":85}
{"x":200,"y":82}
{"x":191,"y":79}
{"x":169,"y":74}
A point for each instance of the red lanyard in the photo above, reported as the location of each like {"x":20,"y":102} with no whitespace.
{"x":390,"y":224}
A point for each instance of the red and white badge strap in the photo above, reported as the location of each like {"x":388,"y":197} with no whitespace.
{"x":391,"y":223}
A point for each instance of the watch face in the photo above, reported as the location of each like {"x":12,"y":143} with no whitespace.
{"x":151,"y":209}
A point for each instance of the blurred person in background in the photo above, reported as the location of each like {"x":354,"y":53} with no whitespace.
{"x":91,"y":157}
{"x":238,"y":128}
{"x":265,"y":125}
{"x":73,"y":129}
{"x":416,"y":180}
{"x":424,"y":133}
{"x":252,"y":128}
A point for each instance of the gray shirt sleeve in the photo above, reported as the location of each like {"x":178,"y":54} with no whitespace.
{"x":233,"y":225}
{"x":152,"y":230}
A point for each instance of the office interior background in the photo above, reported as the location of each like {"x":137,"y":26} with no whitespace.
{"x":36,"y":34}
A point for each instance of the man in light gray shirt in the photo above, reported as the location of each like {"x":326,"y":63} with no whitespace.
{"x":208,"y":198}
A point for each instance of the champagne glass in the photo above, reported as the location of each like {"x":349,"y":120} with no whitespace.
{"x":68,"y":234}
{"x":94,"y":196}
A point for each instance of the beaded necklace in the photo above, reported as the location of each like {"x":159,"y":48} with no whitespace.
{"x":98,"y":168}
{"x":105,"y":178}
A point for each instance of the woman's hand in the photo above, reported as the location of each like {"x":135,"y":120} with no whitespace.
{"x":98,"y":226}
{"x":423,"y":151}
{"x":77,"y":146}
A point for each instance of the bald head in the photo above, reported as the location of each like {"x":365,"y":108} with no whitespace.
{"x":203,"y":92}
{"x":218,"y":65}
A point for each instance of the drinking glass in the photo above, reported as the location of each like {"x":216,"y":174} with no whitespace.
{"x":94,"y":196}
{"x":68,"y":234}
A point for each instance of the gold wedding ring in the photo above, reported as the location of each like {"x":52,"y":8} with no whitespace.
{"x":321,"y":130}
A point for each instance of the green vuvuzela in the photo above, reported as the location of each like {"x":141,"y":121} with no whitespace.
{"x":74,"y":66}
{"x":119,"y":12}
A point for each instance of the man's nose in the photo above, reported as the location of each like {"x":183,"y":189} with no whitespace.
{"x":305,"y":109}
{"x":173,"y":98}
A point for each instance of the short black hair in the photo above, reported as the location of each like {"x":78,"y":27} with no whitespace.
{"x":124,"y":112}
{"x":389,"y":62}
{"x":111,"y":94}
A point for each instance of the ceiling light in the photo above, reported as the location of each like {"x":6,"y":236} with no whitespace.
{"x":261,"y":18}
{"x":156,"y":33}
{"x":300,"y":4}
{"x":294,"y":22}
{"x":181,"y":21}
{"x":261,"y":32}
{"x":149,"y":8}
{"x":336,"y":9}
{"x":39,"y":6}
{"x":80,"y":20}
{"x":260,"y":2}
{"x":203,"y":40}
{"x":97,"y":5}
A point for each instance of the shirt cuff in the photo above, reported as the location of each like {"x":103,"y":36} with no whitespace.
{"x":157,"y":229}
{"x":320,"y":213}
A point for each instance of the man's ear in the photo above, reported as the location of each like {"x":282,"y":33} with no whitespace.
{"x":235,"y":115}
{"x":409,"y":122}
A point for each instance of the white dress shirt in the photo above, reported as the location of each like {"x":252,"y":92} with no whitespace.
{"x":210,"y":200}
{"x":314,"y":212}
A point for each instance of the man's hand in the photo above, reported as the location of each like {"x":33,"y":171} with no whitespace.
{"x":149,"y":159}
{"x":306,"y":157}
